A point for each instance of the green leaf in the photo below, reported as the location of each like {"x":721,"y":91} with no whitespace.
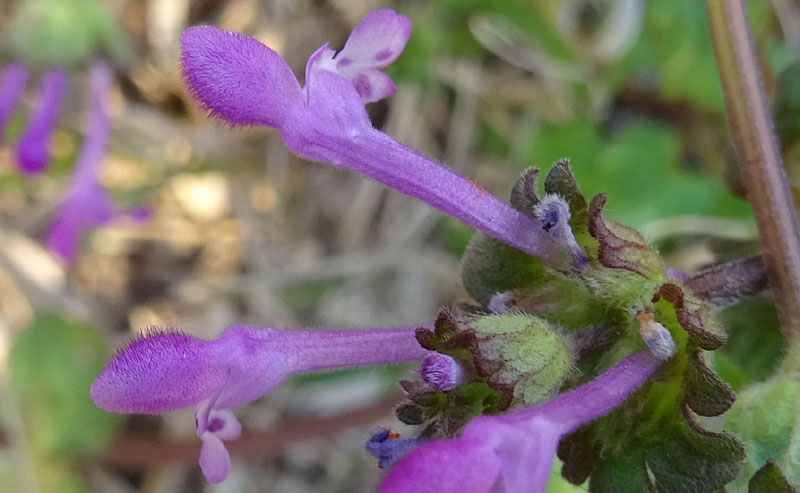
{"x":786,"y":106}
{"x":670,"y":453}
{"x":684,"y":458}
{"x":51,"y":366}
{"x":706,"y":393}
{"x":578,"y":140}
{"x":625,"y":474}
{"x":769,"y":479}
{"x":490,"y":266}
{"x":752,"y":355}
{"x":765,"y":415}
{"x":63,"y":32}
{"x":529,"y":18}
{"x":675,"y":48}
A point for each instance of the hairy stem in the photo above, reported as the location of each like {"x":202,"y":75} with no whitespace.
{"x":759,"y":155}
{"x":726,"y":284}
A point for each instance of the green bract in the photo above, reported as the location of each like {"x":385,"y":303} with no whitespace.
{"x":653,"y":442}
{"x":520,"y":355}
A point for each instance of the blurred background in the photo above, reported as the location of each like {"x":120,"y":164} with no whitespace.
{"x":242,"y":232}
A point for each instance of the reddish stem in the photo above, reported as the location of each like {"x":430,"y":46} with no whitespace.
{"x":759,"y":154}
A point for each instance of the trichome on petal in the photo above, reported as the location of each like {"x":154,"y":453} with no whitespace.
{"x":165,"y":371}
{"x":246,"y":83}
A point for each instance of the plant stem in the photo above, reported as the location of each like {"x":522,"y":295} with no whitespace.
{"x":726,"y":284}
{"x":759,"y":155}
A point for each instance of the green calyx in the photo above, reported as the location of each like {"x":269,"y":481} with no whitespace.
{"x":508,"y":360}
{"x":653,"y":442}
{"x":65,"y":32}
{"x":521,"y":356}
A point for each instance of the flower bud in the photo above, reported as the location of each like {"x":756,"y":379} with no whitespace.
{"x":656,"y":336}
{"x":442,"y":372}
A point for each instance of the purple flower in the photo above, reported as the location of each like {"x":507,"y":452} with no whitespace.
{"x":87,"y":204}
{"x":12,"y":85}
{"x":375,"y":43}
{"x":33,"y":150}
{"x":441,"y":372}
{"x":553,"y":214}
{"x":513,"y":452}
{"x":240,"y":80}
{"x":388,"y":447}
{"x":165,"y":371}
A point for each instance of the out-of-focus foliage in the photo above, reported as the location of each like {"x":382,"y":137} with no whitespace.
{"x":622,"y":88}
{"x":64,"y":32}
{"x":765,"y":415}
{"x":51,"y":366}
{"x":242,"y":233}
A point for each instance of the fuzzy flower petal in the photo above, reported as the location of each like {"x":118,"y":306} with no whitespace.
{"x":237,"y":78}
{"x":244,"y":82}
{"x":373,"y":85}
{"x":12,"y":85}
{"x":441,"y":372}
{"x":215,"y":461}
{"x":223,"y":423}
{"x":165,"y":371}
{"x":513,"y":452}
{"x":375,"y":42}
{"x":159,"y":372}
{"x":33,"y":150}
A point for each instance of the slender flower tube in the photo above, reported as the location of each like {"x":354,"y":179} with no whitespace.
{"x":12,"y":85}
{"x":513,"y":452}
{"x":240,"y":80}
{"x":165,"y":371}
{"x":87,"y":203}
{"x":33,"y":150}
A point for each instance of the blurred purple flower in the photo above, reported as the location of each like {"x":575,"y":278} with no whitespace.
{"x":240,"y":80}
{"x":165,"y":371}
{"x":87,"y":204}
{"x":513,"y":453}
{"x":388,"y":447}
{"x":12,"y":85}
{"x":33,"y":149}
